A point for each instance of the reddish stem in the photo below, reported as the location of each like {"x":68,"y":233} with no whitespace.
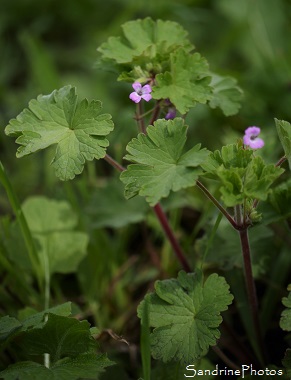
{"x":170,"y":235}
{"x":162,"y":219}
{"x":250,"y":285}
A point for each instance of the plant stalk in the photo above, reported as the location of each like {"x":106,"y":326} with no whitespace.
{"x":163,"y":221}
{"x":251,"y":288}
{"x":217,"y":204}
{"x":155,"y":114}
{"x":171,"y":237}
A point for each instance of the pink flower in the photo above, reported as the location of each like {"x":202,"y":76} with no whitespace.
{"x":171,"y":113}
{"x":140,"y":92}
{"x":251,"y":138}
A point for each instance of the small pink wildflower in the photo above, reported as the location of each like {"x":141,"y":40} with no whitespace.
{"x":171,"y":113}
{"x":251,"y":138}
{"x":140,"y":92}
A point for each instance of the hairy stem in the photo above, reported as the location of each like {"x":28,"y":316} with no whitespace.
{"x":238,"y":215}
{"x":114,"y":163}
{"x":250,"y":286}
{"x":281,"y":161}
{"x":217,"y":204}
{"x":171,"y":237}
{"x":155,"y":114}
{"x":163,"y":221}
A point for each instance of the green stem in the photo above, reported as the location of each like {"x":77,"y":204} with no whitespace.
{"x":15,"y":204}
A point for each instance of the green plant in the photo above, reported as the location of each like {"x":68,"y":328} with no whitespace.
{"x":183,"y":313}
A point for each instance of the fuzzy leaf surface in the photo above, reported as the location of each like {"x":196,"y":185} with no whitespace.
{"x":77,"y":128}
{"x":7,"y":326}
{"x":284,"y":132}
{"x":11,"y":327}
{"x":186,"y":82}
{"x":242,"y":174}
{"x":52,"y":224}
{"x":278,"y":206}
{"x":144,"y":41}
{"x":159,"y":164}
{"x":87,"y":365}
{"x":225,"y":94}
{"x":185,"y":315}
{"x":58,"y":336}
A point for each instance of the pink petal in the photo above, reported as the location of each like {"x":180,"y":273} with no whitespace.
{"x":254,"y":131}
{"x":146,"y":97}
{"x":146,"y":89}
{"x":135,"y":97}
{"x":246,"y":140}
{"x":256,"y":143}
{"x":136,"y":86}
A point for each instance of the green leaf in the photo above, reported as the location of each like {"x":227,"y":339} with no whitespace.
{"x":36,"y":320}
{"x":159,"y":165}
{"x":78,"y":129}
{"x":225,"y":94}
{"x":232,"y":189}
{"x":259,"y":177}
{"x":7,"y":327}
{"x":114,"y":211}
{"x":186,"y":83}
{"x":87,"y":365}
{"x":144,"y":45}
{"x":285,"y":321}
{"x":230,"y":156}
{"x":278,"y":206}
{"x":284,"y":132}
{"x":58,"y":336}
{"x":185,"y":315}
{"x":242,"y":174}
{"x":11,"y":327}
{"x":26,"y":371}
{"x":52,"y":224}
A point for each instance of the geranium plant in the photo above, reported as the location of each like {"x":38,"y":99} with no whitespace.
{"x":182,"y":318}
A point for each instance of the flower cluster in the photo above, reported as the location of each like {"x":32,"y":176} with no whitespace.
{"x":251,"y":138}
{"x":140,"y":92}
